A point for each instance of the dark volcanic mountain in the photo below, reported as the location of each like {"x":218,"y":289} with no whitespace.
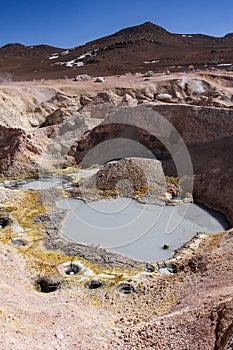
{"x":135,"y":49}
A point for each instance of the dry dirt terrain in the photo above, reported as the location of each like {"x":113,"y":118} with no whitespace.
{"x":61,"y":295}
{"x":136,"y":49}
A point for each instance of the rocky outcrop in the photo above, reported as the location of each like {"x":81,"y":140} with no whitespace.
{"x":107,"y":97}
{"x":198,"y":124}
{"x":193,"y":91}
{"x":139,"y":178}
{"x":213,"y":174}
{"x":25,"y":107}
{"x":59,"y":116}
{"x":21,"y":153}
{"x":35,"y":106}
{"x":213,"y":171}
{"x":194,"y":124}
{"x":104,"y":132}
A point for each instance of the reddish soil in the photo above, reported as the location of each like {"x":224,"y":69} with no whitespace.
{"x":136,"y":49}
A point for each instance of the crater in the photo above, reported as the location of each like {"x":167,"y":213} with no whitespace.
{"x":168,"y":269}
{"x":4,"y":221}
{"x":94,"y":284}
{"x":46,"y":285}
{"x":136,"y":230}
{"x":72,"y":270}
{"x":149,"y":268}
{"x":126,"y":288}
{"x":18,"y":242}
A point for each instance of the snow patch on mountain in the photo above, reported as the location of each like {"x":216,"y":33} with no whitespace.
{"x":76,"y":62}
{"x":53,"y":57}
{"x":71,"y":64}
{"x":187,"y":36}
{"x":151,"y":61}
{"x":225,"y":64}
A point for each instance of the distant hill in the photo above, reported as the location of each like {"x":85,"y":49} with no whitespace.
{"x":135,"y":49}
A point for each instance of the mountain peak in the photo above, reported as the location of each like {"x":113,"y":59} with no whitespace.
{"x":229,"y":35}
{"x":151,"y":26}
{"x":13,"y":45}
{"x":142,"y":29}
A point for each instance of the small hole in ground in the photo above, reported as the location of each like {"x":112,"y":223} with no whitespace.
{"x":149,"y":268}
{"x":46,"y":285}
{"x":126,"y":288}
{"x":18,"y":242}
{"x":73,"y":269}
{"x":168,"y":269}
{"x":4,"y":222}
{"x":94,"y":284}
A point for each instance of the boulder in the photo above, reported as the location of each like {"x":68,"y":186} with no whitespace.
{"x":164,"y":97}
{"x":107,"y":97}
{"x":84,"y":100}
{"x":57,"y":117}
{"x":148,"y":74}
{"x":191,"y":68}
{"x":20,"y":152}
{"x":99,"y":80}
{"x":139,"y":178}
{"x":128,"y":100}
{"x":82,"y":77}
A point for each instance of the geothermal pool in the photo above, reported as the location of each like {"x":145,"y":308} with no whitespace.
{"x":46,"y":181}
{"x":136,"y":230}
{"x":38,"y":184}
{"x":41,"y":184}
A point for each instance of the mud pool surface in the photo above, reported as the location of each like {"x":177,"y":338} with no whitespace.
{"x":41,"y":183}
{"x":139,"y":231}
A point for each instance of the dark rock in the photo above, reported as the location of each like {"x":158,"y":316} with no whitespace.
{"x":166,"y":246}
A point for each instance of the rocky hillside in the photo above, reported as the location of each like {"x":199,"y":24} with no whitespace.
{"x":135,"y":49}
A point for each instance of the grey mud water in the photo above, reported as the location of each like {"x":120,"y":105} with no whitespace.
{"x":135,"y":230}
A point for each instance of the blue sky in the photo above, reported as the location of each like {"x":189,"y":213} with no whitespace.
{"x":68,"y":23}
